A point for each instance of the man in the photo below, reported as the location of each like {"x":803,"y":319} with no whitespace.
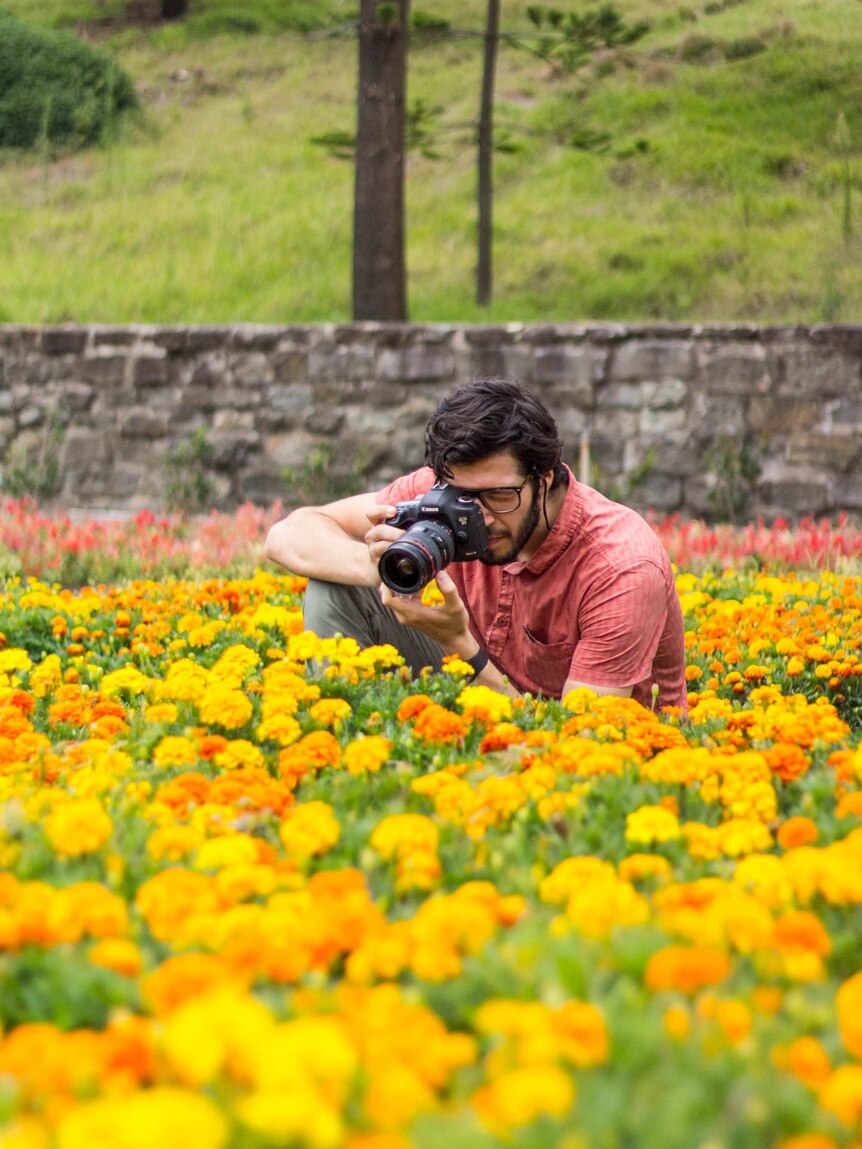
{"x":573,"y":590}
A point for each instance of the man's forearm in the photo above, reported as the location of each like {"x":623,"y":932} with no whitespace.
{"x":312,"y":544}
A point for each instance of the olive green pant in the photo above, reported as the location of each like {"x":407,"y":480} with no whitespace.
{"x":331,"y":609}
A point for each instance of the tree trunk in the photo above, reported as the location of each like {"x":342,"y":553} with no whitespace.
{"x":174,"y":9}
{"x":486,"y":156}
{"x":379,"y":275}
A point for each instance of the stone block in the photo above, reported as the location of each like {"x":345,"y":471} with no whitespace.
{"x":64,"y":340}
{"x":816,"y":373}
{"x":151,"y":371}
{"x":7,"y":432}
{"x":351,"y":362}
{"x":665,"y":394}
{"x":824,"y":452}
{"x":656,"y":491}
{"x":845,"y":413}
{"x":234,"y":421}
{"x":324,"y":421}
{"x":736,"y":371}
{"x":579,"y":367}
{"x":717,"y":415}
{"x":662,"y":422}
{"x":142,"y":423}
{"x":671,"y":358}
{"x":289,"y":366}
{"x":254,"y":337}
{"x":114,"y":336}
{"x":417,"y":364}
{"x":31,"y":416}
{"x":104,"y":370}
{"x":776,"y":416}
{"x":797,"y":491}
{"x":76,"y":398}
{"x":847,"y":492}
{"x":83,"y":448}
{"x":231,"y":449}
{"x":251,"y":370}
{"x":621,"y":396}
{"x":261,"y":485}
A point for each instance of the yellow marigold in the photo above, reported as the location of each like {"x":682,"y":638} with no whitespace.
{"x":185,"y":681}
{"x":80,"y":826}
{"x":521,"y":1095}
{"x":637,"y":866}
{"x":402,"y":834}
{"x":172,"y":843}
{"x":484,"y":704}
{"x":227,"y":850}
{"x":175,"y":750}
{"x":14,"y":659}
{"x":218,"y":1032}
{"x":127,"y":678}
{"x":224,"y":706}
{"x":330,"y":711}
{"x":309,"y":829}
{"x":161,"y":712}
{"x":572,"y":874}
{"x":367,"y":754}
{"x":239,"y":754}
{"x":841,"y":1094}
{"x":650,"y":824}
{"x":292,"y":1115}
{"x":677,"y":1022}
{"x":164,"y":1116}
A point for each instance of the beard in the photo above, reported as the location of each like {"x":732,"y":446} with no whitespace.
{"x":531,"y":521}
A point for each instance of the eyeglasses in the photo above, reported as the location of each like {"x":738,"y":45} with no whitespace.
{"x":499,"y":500}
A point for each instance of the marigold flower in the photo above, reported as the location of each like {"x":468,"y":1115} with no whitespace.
{"x":168,"y":1117}
{"x":435,"y":723}
{"x":650,"y":824}
{"x":686,"y":968}
{"x":484,"y":704}
{"x":367,"y":754}
{"x":79,"y":826}
{"x":795,"y":832}
{"x":309,"y":829}
{"x":175,"y":750}
{"x":222,"y":705}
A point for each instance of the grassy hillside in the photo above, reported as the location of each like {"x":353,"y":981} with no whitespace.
{"x":721,"y":191}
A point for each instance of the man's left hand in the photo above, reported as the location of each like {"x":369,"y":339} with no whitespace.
{"x":447,"y":624}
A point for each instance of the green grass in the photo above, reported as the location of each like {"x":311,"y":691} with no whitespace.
{"x":719,"y":195}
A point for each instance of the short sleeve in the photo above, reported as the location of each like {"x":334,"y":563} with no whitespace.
{"x":620,"y":624}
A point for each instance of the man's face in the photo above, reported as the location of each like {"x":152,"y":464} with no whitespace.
{"x":509,"y":533}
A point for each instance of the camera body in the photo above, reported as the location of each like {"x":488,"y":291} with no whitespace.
{"x":442,"y":526}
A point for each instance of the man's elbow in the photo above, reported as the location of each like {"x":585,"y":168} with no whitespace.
{"x":276,"y":547}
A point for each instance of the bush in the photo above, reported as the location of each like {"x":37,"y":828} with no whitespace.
{"x":54,"y":87}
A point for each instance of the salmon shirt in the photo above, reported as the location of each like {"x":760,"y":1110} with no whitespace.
{"x":596,"y":603}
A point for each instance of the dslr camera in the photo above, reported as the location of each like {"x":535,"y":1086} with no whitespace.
{"x":441,"y":527}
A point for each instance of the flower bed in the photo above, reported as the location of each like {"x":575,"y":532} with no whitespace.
{"x":259,"y":889}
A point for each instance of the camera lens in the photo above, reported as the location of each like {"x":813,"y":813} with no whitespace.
{"x":420,"y":554}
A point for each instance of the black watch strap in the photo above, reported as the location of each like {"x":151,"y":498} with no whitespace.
{"x":479,"y":661}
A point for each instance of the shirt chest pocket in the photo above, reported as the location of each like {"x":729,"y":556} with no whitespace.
{"x":547,"y":663}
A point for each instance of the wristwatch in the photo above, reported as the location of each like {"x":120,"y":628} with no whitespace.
{"x":479,"y":661}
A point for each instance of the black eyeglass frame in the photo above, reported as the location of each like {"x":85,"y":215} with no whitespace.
{"x":479,"y":496}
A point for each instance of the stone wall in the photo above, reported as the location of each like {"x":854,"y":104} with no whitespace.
{"x":704,"y":420}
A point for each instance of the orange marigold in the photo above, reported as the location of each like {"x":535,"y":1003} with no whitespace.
{"x":437,"y":724}
{"x":686,"y":968}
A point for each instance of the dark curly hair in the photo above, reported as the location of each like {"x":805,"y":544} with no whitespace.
{"x":487,"y":416}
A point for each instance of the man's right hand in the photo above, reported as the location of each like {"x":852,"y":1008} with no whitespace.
{"x":380,"y":536}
